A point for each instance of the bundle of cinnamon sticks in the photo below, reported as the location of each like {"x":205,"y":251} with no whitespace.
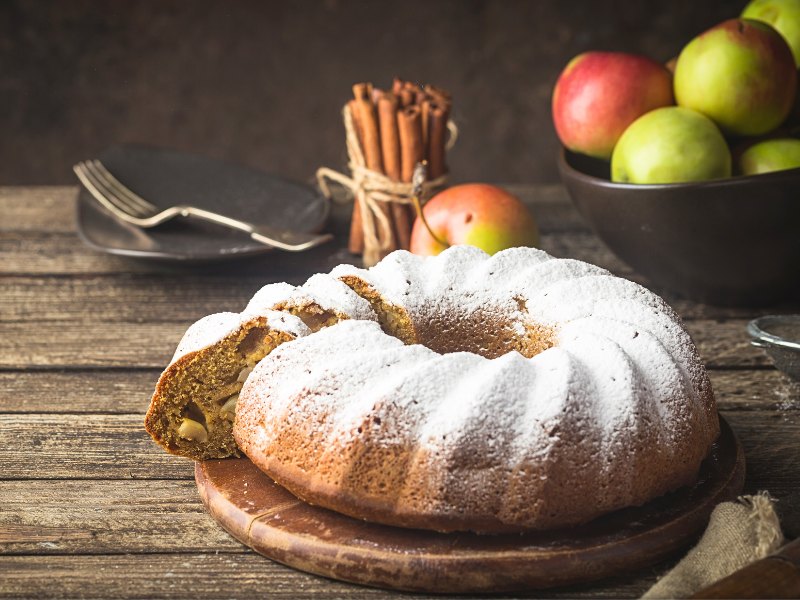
{"x":397,"y":129}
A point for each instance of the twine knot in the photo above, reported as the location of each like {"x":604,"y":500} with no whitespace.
{"x":369,"y":188}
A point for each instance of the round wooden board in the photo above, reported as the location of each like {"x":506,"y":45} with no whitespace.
{"x":274,"y":523}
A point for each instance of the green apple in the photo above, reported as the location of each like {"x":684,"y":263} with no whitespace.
{"x":477,"y":214}
{"x":741,"y":74}
{"x":770,"y":155}
{"x":783,"y":15}
{"x":670,"y":145}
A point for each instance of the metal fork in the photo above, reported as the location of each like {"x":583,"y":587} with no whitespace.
{"x":129,"y":207}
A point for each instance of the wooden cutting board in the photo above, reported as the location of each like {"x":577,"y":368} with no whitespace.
{"x":264,"y":516}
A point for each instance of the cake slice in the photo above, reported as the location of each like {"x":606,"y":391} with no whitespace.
{"x":192,"y":409}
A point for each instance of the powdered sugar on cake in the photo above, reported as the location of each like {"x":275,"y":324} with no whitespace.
{"x":613,"y":408}
{"x":213,"y":328}
{"x":322,"y":290}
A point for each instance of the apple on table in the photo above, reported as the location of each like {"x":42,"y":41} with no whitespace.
{"x":477,"y":214}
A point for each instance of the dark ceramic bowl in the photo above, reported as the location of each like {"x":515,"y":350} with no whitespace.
{"x":732,"y":241}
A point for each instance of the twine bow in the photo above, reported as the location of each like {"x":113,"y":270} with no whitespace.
{"x":369,"y":188}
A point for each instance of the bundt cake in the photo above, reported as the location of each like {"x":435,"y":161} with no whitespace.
{"x":456,"y":392}
{"x":192,"y":409}
{"x":494,"y":394}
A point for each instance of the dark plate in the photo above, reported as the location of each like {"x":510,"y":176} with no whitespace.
{"x":166,"y":177}
{"x":732,"y":241}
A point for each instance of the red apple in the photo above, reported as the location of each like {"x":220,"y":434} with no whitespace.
{"x":477,"y":214}
{"x":600,"y":93}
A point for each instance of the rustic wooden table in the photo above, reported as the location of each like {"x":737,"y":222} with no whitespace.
{"x":91,"y":507}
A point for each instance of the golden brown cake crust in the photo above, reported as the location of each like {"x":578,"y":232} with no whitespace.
{"x":360,"y":464}
{"x":517,"y":392}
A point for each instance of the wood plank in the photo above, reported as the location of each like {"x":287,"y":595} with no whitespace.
{"x":724,"y":344}
{"x":103,"y":517}
{"x":64,"y":254}
{"x":38,"y":208}
{"x":128,"y":392}
{"x":551,"y":207}
{"x":90,"y":343}
{"x":151,"y":297}
{"x":585,"y":246}
{"x":689,"y":310}
{"x":767,"y":389}
{"x":77,"y":392}
{"x":218,"y":576}
{"x":771,"y":442}
{"x":57,"y":253}
{"x":84,"y":447}
{"x":190,"y":296}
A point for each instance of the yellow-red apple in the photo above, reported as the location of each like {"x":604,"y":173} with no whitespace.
{"x":476,"y":214}
{"x":783,"y":15}
{"x":741,"y":74}
{"x":600,"y":93}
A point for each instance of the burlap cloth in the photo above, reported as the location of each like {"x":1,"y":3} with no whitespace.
{"x":738,"y":533}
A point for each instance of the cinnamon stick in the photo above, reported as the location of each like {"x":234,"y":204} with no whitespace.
{"x":397,"y":85}
{"x":412,"y":151}
{"x":396,"y":130}
{"x":356,"y":241}
{"x":425,"y":107}
{"x":442,"y":97}
{"x":409,"y":124}
{"x":369,"y":123}
{"x":372,"y":153}
{"x":437,"y":137}
{"x":390,"y":144}
{"x":351,"y":106}
{"x":407,"y":97}
{"x":414,"y":87}
{"x":388,"y":104}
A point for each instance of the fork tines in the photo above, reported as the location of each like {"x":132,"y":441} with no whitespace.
{"x":110,"y":192}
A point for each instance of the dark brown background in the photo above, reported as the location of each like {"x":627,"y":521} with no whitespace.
{"x":263,"y":82}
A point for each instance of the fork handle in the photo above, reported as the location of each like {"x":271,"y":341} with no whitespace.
{"x":277,"y":238}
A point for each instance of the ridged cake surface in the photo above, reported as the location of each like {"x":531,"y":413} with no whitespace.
{"x":500,"y":393}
